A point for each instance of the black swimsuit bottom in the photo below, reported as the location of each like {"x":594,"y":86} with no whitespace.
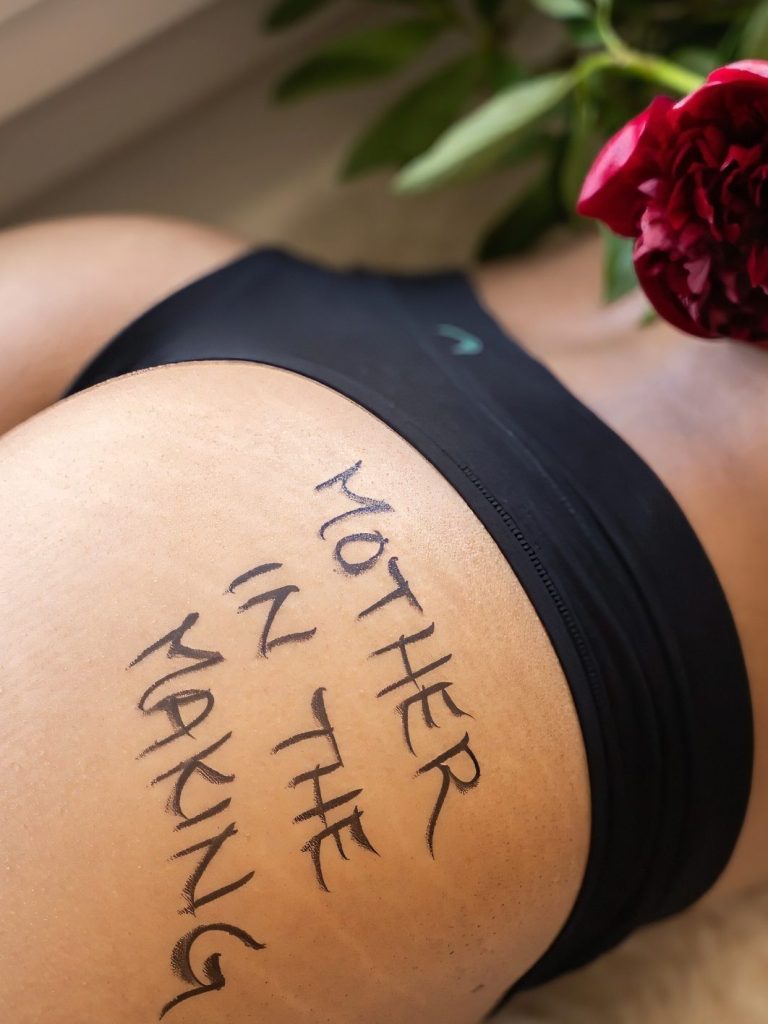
{"x":612,"y":567}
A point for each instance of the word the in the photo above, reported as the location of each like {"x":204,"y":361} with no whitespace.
{"x":322,"y":805}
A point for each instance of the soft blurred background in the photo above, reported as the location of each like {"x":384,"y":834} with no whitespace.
{"x":168,"y":106}
{"x":165,"y":106}
{"x":286,"y":120}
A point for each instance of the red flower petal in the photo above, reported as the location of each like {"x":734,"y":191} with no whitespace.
{"x":665,"y":298}
{"x":741,"y":71}
{"x":712,"y":144}
{"x":757,"y":267}
{"x":705,"y":103}
{"x":689,"y":180}
{"x":743,"y":157}
{"x":611,"y":190}
{"x":698,"y":275}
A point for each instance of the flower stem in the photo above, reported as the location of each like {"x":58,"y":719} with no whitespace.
{"x":644,"y":65}
{"x":612,"y":41}
{"x":664,"y":72}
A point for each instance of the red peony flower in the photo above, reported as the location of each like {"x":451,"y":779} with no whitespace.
{"x":689,"y":181}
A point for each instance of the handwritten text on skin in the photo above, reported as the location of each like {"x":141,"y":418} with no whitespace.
{"x":183,"y":700}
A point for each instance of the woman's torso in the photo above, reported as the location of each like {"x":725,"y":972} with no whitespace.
{"x":694,"y":412}
{"x":424,"y":356}
{"x":646,"y":386}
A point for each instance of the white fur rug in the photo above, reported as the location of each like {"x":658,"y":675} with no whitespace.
{"x":707,"y":966}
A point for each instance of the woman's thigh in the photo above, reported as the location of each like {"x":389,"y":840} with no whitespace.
{"x":67,"y":286}
{"x":282,"y":737}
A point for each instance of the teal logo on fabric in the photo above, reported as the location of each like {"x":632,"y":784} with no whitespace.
{"x":466,"y":344}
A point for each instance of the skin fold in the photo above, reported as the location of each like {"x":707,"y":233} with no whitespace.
{"x":214,"y":531}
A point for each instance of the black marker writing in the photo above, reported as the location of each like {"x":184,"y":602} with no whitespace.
{"x":422,"y":697}
{"x":375,"y":540}
{"x":193,"y":765}
{"x":322,"y":805}
{"x":356,"y":568}
{"x":402,"y":589}
{"x":412,"y":675}
{"x":277,"y":598}
{"x":209,"y":848}
{"x":449,"y":778}
{"x":425,"y":692}
{"x":214,"y":979}
{"x":364,"y":505}
{"x":174,"y":704}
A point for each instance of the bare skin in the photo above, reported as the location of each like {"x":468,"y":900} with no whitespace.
{"x":68,"y":286}
{"x":152,"y":498}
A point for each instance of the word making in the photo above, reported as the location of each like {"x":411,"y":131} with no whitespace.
{"x":324,"y":734}
{"x":184,"y":705}
{"x":457,"y":767}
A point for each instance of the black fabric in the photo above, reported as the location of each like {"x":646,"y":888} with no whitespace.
{"x":616,"y":574}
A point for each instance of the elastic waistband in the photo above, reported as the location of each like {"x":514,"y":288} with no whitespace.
{"x":641,"y":626}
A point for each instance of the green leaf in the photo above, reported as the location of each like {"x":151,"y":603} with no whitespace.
{"x":584,"y":35}
{"x":649,"y":316}
{"x":731,"y":45}
{"x":697,"y":58}
{"x":501,"y":70}
{"x":526,"y":146}
{"x":414,"y":122}
{"x":287,"y":12}
{"x":360,"y":56}
{"x":619,"y":275}
{"x":565,"y":9}
{"x":532,"y":214}
{"x":754,"y":40}
{"x":580,"y":150}
{"x":477,"y":139}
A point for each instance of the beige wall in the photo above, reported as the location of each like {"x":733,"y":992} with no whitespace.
{"x":271,"y":173}
{"x":166,"y":129}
